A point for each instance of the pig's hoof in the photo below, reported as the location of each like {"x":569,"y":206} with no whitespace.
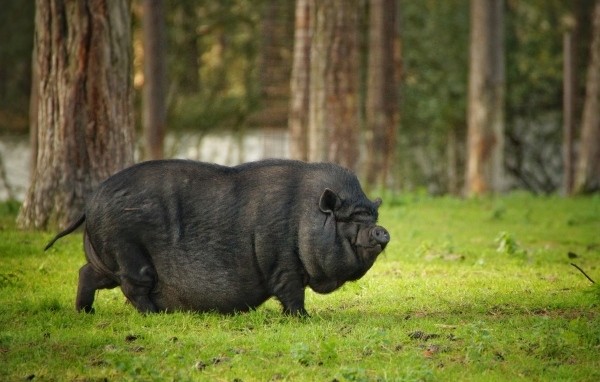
{"x":300,"y":313}
{"x":86,"y":309}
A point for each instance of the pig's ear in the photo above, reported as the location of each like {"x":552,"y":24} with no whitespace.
{"x":377,"y":202}
{"x":329,"y":201}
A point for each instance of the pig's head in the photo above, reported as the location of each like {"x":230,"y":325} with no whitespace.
{"x":344,"y":241}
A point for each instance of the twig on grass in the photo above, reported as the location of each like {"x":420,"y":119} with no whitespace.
{"x":585,"y":274}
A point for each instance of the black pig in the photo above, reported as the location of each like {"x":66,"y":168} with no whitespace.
{"x":184,"y":235}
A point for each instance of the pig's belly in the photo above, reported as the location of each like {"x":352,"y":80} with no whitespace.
{"x":203,"y":280}
{"x":223,"y":295}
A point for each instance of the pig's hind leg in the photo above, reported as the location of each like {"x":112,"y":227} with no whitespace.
{"x":91,"y":278}
{"x":89,"y":282}
{"x":138,"y":277}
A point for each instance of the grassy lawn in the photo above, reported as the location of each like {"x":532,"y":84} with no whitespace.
{"x":470,"y":290}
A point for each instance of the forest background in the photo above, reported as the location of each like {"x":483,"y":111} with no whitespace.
{"x":230,"y":65}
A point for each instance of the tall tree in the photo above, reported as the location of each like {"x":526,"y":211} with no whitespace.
{"x":382,"y":113}
{"x":185,"y":45}
{"x":84,"y":111}
{"x":33,"y":116}
{"x":299,"y":83}
{"x":431,"y":147}
{"x":333,"y":123}
{"x":321,"y":41}
{"x":485,"y":119}
{"x":154,"y":107}
{"x":587,"y":177}
{"x":16,"y":34}
{"x":569,"y":101}
{"x":274,"y":63}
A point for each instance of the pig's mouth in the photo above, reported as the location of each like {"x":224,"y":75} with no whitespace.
{"x":370,"y":247}
{"x":367,"y":254}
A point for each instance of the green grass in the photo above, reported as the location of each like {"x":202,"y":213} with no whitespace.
{"x":470,"y":290}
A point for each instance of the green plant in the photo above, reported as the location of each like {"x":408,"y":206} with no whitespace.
{"x":507,"y":245}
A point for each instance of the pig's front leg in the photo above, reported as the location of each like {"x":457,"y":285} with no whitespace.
{"x":289,"y":290}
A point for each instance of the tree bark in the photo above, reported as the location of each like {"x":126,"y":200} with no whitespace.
{"x":191,"y":52}
{"x":33,"y":116}
{"x":452,"y":156}
{"x":84,"y":111}
{"x":321,"y":36}
{"x":587,"y":178}
{"x":569,"y":85}
{"x":299,"y":84}
{"x":485,"y":117}
{"x":154,"y":107}
{"x":333,"y":107}
{"x":277,"y":29}
{"x":382,"y":115}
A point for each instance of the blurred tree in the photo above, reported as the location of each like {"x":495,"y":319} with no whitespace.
{"x":570,"y":38}
{"x":486,"y":98}
{"x":184,"y":44}
{"x":154,"y":107}
{"x":321,"y":32}
{"x":84,"y":116}
{"x":333,"y":124}
{"x":299,"y":83}
{"x":33,"y":115}
{"x":433,"y":86}
{"x":16,"y":34}
{"x":383,"y":79}
{"x":222,"y":40}
{"x":274,"y":63}
{"x":534,"y":133}
{"x":587,"y":177}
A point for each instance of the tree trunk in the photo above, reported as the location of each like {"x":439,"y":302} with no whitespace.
{"x":154,"y":109}
{"x":321,"y":38}
{"x":275,"y":64}
{"x":572,"y":26}
{"x":486,"y":98}
{"x":191,"y":52}
{"x":333,"y":107}
{"x":452,"y":151}
{"x":382,"y":114}
{"x":85,"y":122}
{"x":568,"y":109}
{"x":299,"y":84}
{"x":33,"y":115}
{"x":587,"y":178}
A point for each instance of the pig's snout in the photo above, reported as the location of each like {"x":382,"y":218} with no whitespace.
{"x":380,"y":235}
